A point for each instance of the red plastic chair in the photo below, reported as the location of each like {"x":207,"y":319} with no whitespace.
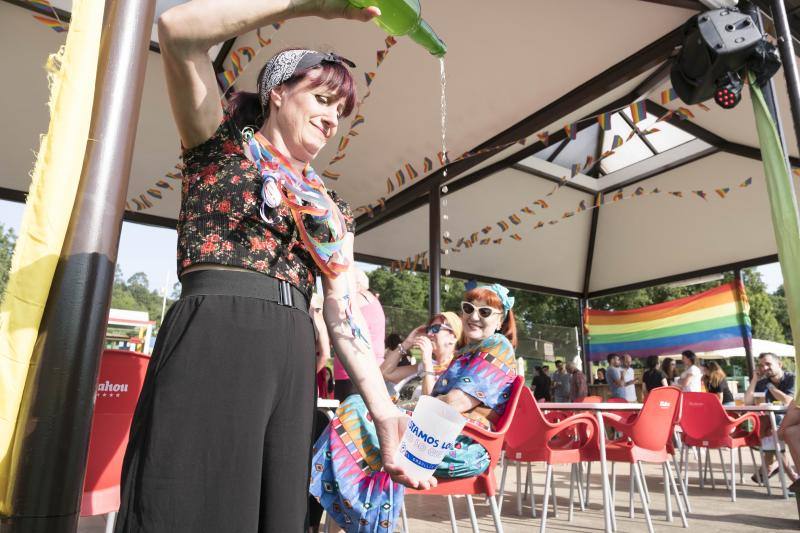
{"x":592,"y":399}
{"x":533,"y":437}
{"x":706,"y":424}
{"x":484,"y":483}
{"x":121,"y":378}
{"x":644,"y":437}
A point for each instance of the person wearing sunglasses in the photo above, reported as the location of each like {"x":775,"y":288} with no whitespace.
{"x":346,"y":468}
{"x":436,"y":341}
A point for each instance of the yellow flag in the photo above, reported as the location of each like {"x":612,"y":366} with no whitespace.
{"x":71,"y":75}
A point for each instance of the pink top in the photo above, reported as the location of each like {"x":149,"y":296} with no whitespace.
{"x":376,"y":325}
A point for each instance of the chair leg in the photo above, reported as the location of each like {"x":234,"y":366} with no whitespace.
{"x":613,"y":478}
{"x":675,"y":464}
{"x":533,"y":501}
{"x":405,"y":518}
{"x":111,"y":519}
{"x":710,"y":467}
{"x":547,"y":477}
{"x":644,"y":484}
{"x":700,"y":470}
{"x":452,"y":509}
{"x":498,"y":524}
{"x":503,"y":483}
{"x":764,"y":473}
{"x":553,"y":496}
{"x":472,"y":518}
{"x":640,"y":487}
{"x":528,"y":482}
{"x":680,"y":502}
{"x":684,"y":482}
{"x":571,"y":506}
{"x":667,"y":496}
{"x":586,"y":487}
{"x":724,"y":470}
{"x":579,"y":483}
{"x":630,"y":492}
{"x":733,"y":476}
{"x":741,"y":470}
{"x":519,"y":488}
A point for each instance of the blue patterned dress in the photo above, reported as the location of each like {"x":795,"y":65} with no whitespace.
{"x":347,"y":475}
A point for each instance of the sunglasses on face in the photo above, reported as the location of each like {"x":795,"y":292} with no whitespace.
{"x":484,"y":312}
{"x":436,"y":328}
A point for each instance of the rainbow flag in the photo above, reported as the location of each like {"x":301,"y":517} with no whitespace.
{"x":604,"y":119}
{"x":638,"y":111}
{"x":712,"y":320}
{"x":51,"y":23}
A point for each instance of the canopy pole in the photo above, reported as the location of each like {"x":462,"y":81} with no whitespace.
{"x":583,"y":305}
{"x":435,"y":248}
{"x":786,"y":48}
{"x":747,"y":340}
{"x":55,"y":415}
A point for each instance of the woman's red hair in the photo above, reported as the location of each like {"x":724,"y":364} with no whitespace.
{"x":509,"y":325}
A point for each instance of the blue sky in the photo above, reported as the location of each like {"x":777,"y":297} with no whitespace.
{"x":151,"y":250}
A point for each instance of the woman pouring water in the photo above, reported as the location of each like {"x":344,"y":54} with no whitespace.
{"x":346,"y":473}
{"x":221,"y":437}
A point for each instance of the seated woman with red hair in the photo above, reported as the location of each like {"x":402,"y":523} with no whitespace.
{"x":347,"y":475}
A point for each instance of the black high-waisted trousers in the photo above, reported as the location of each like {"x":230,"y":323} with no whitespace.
{"x":221,"y":437}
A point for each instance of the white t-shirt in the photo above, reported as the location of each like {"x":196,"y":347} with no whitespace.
{"x":630,"y":390}
{"x":695,"y":376}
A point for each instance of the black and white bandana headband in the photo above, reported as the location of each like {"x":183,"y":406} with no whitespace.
{"x":286,"y":64}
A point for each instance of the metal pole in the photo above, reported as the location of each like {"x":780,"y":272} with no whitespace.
{"x":583,"y":304}
{"x":788,"y":58}
{"x":435,"y":247}
{"x":747,"y":341}
{"x":56,"y":412}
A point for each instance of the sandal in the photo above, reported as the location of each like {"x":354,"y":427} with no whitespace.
{"x":756,"y":478}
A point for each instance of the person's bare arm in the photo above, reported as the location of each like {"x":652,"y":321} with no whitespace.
{"x":188,"y":30}
{"x":779,"y":395}
{"x":359,"y":361}
{"x":459,"y":400}
{"x":390,"y":367}
{"x":751,"y":388}
{"x":323,"y":340}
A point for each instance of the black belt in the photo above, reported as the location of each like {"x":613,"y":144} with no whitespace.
{"x":214,"y":282}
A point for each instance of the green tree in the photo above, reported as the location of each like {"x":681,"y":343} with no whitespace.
{"x":7,"y":241}
{"x":782,"y":313}
{"x":135,"y":295}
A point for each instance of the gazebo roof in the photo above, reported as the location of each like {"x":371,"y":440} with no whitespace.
{"x":538,"y":67}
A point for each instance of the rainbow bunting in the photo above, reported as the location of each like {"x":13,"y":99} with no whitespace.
{"x":145,"y":201}
{"x":410,"y":171}
{"x":248,"y":52}
{"x":703,"y":106}
{"x":226,"y":79}
{"x":43,"y":3}
{"x":442,"y":158}
{"x":343,"y":143}
{"x":541,"y":203}
{"x":668,"y":95}
{"x":486,"y":229}
{"x":527,"y":210}
{"x":400,"y":178}
{"x":676,"y":194}
{"x":571,"y":130}
{"x":722,"y":192}
{"x":617,"y":142}
{"x":474,"y":237}
{"x":538,"y":225}
{"x":357,"y":121}
{"x":515,"y":236}
{"x":589,"y":163}
{"x":617,"y":196}
{"x":369,"y":76}
{"x":331,"y":175}
{"x":553,"y":222}
{"x":352,"y":133}
{"x":485,"y":241}
{"x":381,"y":56}
{"x":665,"y":116}
{"x":639,"y":191}
{"x":503,"y":225}
{"x":684,"y":113}
{"x":712,"y":320}
{"x":164,"y":185}
{"x":638,"y":111}
{"x":498,"y":241}
{"x":261,"y":41}
{"x":515,"y":219}
{"x":543,"y":137}
{"x":427,"y":165}
{"x":174,"y":175}
{"x":701,"y":194}
{"x":575,"y":168}
{"x":51,"y":23}
{"x":382,"y":203}
{"x":568,"y":214}
{"x":389,"y":186}
{"x":237,"y":63}
{"x":277,"y":25}
{"x":155,"y":193}
{"x":604,"y":119}
{"x":746,"y":183}
{"x":337,"y":158}
{"x":655,"y":190}
{"x":581,"y":206}
{"x":650,"y":131}
{"x":390,"y":41}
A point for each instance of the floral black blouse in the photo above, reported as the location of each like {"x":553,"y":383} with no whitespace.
{"x":220,"y":222}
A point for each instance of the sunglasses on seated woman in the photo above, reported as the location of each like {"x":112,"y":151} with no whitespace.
{"x":436,"y":328}
{"x":484,"y":312}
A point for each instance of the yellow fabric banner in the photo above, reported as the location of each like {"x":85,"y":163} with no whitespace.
{"x":71,"y":75}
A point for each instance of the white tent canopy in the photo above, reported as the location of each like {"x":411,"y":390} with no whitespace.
{"x":538,"y":67}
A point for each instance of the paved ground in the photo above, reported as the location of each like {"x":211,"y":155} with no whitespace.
{"x":713,"y":511}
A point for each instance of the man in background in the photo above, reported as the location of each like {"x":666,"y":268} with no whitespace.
{"x":629,"y":377}
{"x":541,"y":384}
{"x":614,"y":377}
{"x":578,"y":388}
{"x":561,"y":383}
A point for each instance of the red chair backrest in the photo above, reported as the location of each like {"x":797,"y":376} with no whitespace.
{"x":617,"y":400}
{"x":592,"y":399}
{"x":704,"y":417}
{"x":652,"y":429}
{"x":121,"y":378}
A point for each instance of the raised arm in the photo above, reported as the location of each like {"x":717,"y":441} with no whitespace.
{"x":187,"y":31}
{"x":390,"y":367}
